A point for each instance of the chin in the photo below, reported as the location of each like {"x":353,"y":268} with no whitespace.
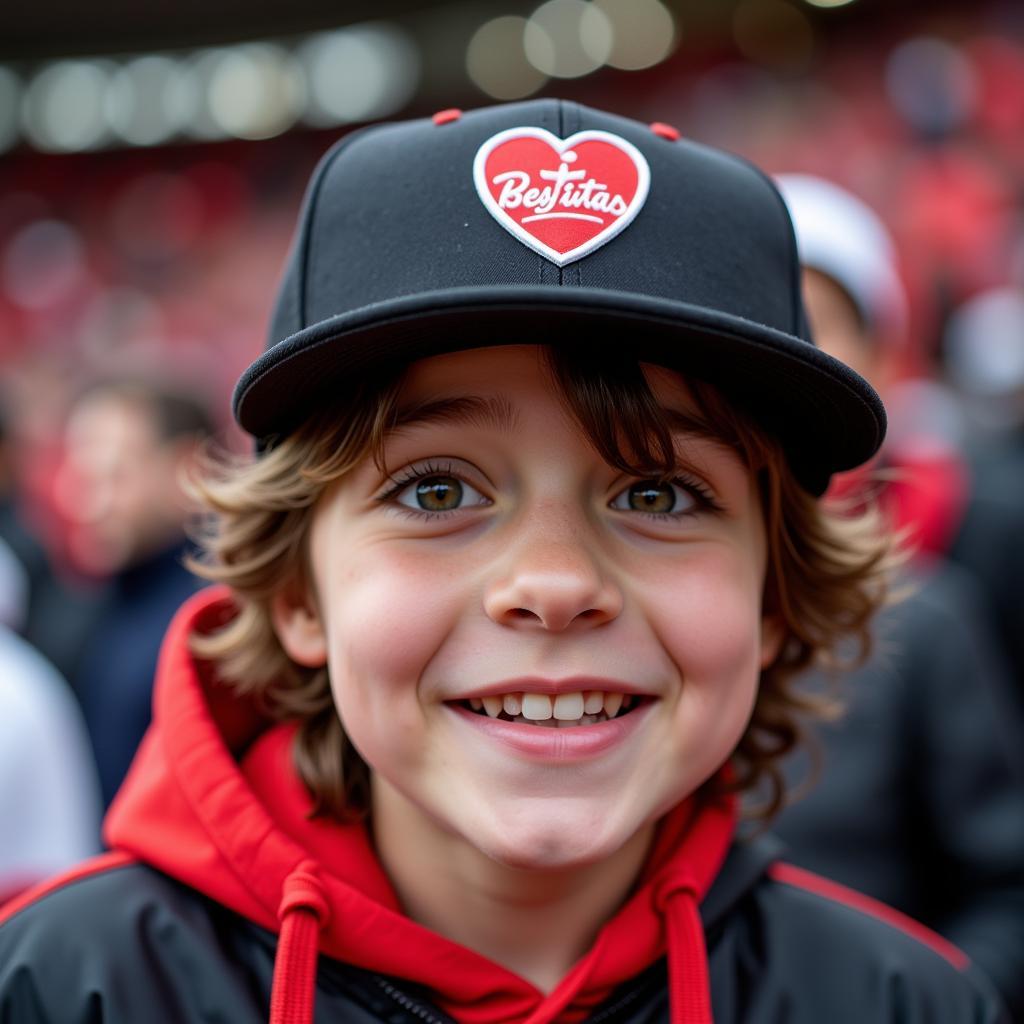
{"x":550,"y":841}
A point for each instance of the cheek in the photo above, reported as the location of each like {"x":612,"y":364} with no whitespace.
{"x":709,"y":627}
{"x":709,"y":618}
{"x":386,"y":616}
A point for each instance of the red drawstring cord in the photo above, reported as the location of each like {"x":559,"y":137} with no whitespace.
{"x":303,"y":912}
{"x":689,"y":987}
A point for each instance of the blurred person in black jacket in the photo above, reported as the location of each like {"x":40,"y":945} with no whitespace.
{"x":128,"y":445}
{"x":920,"y":797}
{"x":984,"y":347}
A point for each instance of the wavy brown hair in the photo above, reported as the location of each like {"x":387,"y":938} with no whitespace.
{"x":826,"y":574}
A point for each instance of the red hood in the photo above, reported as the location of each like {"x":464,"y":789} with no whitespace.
{"x":924,"y":497}
{"x":213,"y":801}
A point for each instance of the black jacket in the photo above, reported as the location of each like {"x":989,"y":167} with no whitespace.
{"x":920,"y":802}
{"x":989,"y":542}
{"x":128,"y":945}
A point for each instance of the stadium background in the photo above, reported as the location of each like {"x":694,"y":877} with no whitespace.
{"x":153,"y":156}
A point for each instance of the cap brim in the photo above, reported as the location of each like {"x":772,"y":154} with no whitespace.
{"x":827,"y":417}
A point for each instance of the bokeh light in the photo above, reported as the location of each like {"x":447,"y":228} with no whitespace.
{"x":188,"y":96}
{"x":63,"y":107}
{"x":568,"y":38}
{"x":358,"y":74}
{"x":256,"y":91}
{"x":496,"y":60}
{"x":139,"y":103}
{"x":643,"y":32}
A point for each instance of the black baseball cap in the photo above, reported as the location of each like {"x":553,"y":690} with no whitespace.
{"x":548,"y":222}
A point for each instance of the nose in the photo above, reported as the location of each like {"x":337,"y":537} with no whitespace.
{"x":551,"y":579}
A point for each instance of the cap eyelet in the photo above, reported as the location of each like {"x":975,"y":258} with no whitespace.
{"x":665,"y":131}
{"x":447,"y":116}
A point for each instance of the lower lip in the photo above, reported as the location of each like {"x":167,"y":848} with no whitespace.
{"x":572,"y":743}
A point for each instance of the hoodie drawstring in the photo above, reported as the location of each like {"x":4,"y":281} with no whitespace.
{"x":303,"y":912}
{"x":688,"y":981}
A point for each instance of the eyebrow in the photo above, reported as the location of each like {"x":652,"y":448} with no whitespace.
{"x":471,"y":410}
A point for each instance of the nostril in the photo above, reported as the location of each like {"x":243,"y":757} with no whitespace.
{"x":522,"y":613}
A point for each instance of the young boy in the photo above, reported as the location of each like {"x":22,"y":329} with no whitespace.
{"x":514,"y":590}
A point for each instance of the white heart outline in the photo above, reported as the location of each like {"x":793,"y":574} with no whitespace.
{"x":560,"y":146}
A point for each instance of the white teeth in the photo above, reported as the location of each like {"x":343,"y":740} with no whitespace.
{"x":537,"y":707}
{"x":554,"y":723}
{"x":568,"y":707}
{"x":577,"y":708}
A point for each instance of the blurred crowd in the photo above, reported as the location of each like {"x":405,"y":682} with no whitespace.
{"x":131,"y":297}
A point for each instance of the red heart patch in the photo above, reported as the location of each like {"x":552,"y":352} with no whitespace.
{"x":562,"y":197}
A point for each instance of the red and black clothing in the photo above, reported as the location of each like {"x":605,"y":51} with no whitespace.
{"x":224,"y":901}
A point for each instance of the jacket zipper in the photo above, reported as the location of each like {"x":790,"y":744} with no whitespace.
{"x":424,"y":1014}
{"x":406,"y":1003}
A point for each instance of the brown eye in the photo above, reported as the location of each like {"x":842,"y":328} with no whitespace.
{"x":655,"y":498}
{"x":651,"y":497}
{"x":436,"y":492}
{"x":439,"y":494}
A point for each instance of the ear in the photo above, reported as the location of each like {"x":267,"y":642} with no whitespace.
{"x":773,"y":633}
{"x":298,"y":626}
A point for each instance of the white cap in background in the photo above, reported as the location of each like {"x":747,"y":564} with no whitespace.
{"x":839,"y":235}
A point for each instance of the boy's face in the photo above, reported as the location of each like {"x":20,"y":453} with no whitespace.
{"x":498,"y":556}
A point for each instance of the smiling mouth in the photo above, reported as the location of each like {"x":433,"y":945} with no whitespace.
{"x":566,"y":710}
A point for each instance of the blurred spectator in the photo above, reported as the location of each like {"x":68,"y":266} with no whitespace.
{"x":990,"y":543}
{"x":129,"y":444}
{"x":920,"y":801}
{"x":14,"y":587}
{"x":920,"y":797}
{"x":49,"y":793}
{"x":53,"y":613}
{"x":985,"y":362}
{"x":984,"y":359}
